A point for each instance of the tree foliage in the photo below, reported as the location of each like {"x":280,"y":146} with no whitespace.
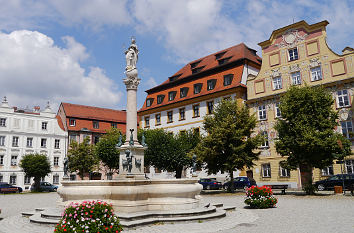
{"x":82,"y":158}
{"x":306,"y":130}
{"x":167,"y":151}
{"x":230,"y":140}
{"x":36,"y":166}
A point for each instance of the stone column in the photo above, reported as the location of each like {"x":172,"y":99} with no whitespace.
{"x":131,"y":82}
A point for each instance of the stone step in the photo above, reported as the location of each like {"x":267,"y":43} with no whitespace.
{"x":218,"y":205}
{"x":37,"y":218}
{"x":227,"y":208}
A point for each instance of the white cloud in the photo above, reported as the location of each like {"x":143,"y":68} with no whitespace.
{"x":33,"y":69}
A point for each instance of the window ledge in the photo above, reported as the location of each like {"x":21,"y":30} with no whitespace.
{"x":146,"y":127}
{"x":158,"y":124}
{"x":168,"y":122}
{"x":195,"y":116}
{"x":182,"y":119}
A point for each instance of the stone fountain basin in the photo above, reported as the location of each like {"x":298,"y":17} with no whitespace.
{"x":135,"y":195}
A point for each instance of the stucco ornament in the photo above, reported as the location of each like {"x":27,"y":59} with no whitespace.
{"x":314,"y":62}
{"x":290,"y":38}
{"x":275,"y":73}
{"x":294,"y":68}
{"x":345,"y":114}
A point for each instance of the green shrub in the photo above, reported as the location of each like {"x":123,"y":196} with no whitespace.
{"x":260,"y":197}
{"x":89,"y":216}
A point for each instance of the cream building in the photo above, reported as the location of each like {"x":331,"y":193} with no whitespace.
{"x":295,"y":55}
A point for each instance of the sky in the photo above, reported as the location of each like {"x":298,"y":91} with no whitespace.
{"x":73,"y":51}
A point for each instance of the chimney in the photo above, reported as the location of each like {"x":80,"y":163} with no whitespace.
{"x":36,"y":108}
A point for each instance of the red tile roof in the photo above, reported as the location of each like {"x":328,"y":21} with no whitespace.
{"x":60,"y":123}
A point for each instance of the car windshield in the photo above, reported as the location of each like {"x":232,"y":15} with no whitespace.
{"x":334,"y":178}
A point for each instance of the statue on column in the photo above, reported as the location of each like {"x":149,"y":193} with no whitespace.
{"x":131,"y":56}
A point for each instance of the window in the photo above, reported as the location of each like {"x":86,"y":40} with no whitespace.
{"x":43,"y":142}
{"x":72,"y":122}
{"x":158,"y":119}
{"x":296,"y":78}
{"x":343,"y":98}
{"x":223,"y":61}
{"x":349,"y":165}
{"x":196,"y":130}
{"x":13,"y":179}
{"x":219,"y":55}
{"x":42,"y":179}
{"x":316,"y":73}
{"x":55,"y":179}
{"x":169,"y":117}
{"x":1,"y":160}
{"x":277,"y":83}
{"x":266,"y":171}
{"x":15,"y":141}
{"x":182,"y":114}
{"x":147,"y":121}
{"x":262,"y":112}
{"x":265,"y":143}
{"x":210,"y":105}
{"x":196,"y":110}
{"x":183,"y":92}
{"x":29,"y":142}
{"x":27,"y":180}
{"x":173,"y":78}
{"x":197,"y":70}
{"x":149,"y":102}
{"x":44,"y":125}
{"x":327,"y":171}
{"x":277,"y":110}
{"x":2,"y":122}
{"x":172,"y":95}
{"x":57,"y":144}
{"x":182,"y":132}
{"x":211,"y":84}
{"x":13,"y":160}
{"x":194,"y":64}
{"x":197,"y":88}
{"x":347,"y":128}
{"x":284,"y":172}
{"x":228,"y":79}
{"x":96,"y":139}
{"x":1,"y":178}
{"x":114,"y":125}
{"x":160,"y":99}
{"x":2,"y":140}
{"x":95,"y":124}
{"x":72,"y":138}
{"x":56,"y":161}
{"x":293,"y":55}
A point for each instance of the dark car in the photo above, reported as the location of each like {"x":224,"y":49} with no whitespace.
{"x":210,"y":183}
{"x":241,"y":183}
{"x":335,"y":180}
{"x":46,"y":186}
{"x":8,"y":188}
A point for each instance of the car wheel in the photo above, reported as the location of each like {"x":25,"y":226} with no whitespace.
{"x":17,"y":191}
{"x":226,"y":187}
{"x":245,"y":187}
{"x":54,"y":190}
{"x":320,"y":187}
{"x":208,"y":187}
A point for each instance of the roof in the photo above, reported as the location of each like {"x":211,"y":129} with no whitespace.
{"x":96,"y":113}
{"x":207,"y":63}
{"x":60,"y":123}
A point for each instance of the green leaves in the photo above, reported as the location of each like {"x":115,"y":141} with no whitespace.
{"x":35,"y":165}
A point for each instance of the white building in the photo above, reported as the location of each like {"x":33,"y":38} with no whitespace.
{"x":30,"y":131}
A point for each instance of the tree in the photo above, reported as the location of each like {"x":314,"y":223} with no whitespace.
{"x":106,"y":149}
{"x":306,"y":133}
{"x":36,"y":166}
{"x":168,"y":152}
{"x":82,"y":158}
{"x":230,"y":142}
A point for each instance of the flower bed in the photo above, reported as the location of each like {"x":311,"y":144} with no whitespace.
{"x":260,"y":197}
{"x":89,"y":216}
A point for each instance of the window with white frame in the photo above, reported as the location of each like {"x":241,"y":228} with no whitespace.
{"x":284,"y":172}
{"x":183,"y":92}
{"x":114,"y":125}
{"x":72,"y":122}
{"x":296,"y":78}
{"x":2,"y":140}
{"x":327,"y":171}
{"x":56,"y":161}
{"x":158,"y":119}
{"x":43,"y":142}
{"x":277,"y":83}
{"x":1,"y":159}
{"x":13,"y":160}
{"x":2,"y":122}
{"x":343,"y":98}
{"x":27,"y":180}
{"x":316,"y":73}
{"x":44,"y":125}
{"x":56,"y":143}
{"x":169,"y":117}
{"x":13,"y":179}
{"x":196,"y":110}
{"x":293,"y":54}
{"x":15,"y":141}
{"x":29,"y":142}
{"x":347,"y":128}
{"x":210,"y":105}
{"x":55,"y":179}
{"x":265,"y":143}
{"x":262,"y":112}
{"x":72,"y":138}
{"x":277,"y":110}
{"x":96,"y":124}
{"x":147,"y":121}
{"x":349,"y":165}
{"x":182,"y":115}
{"x":266,"y":171}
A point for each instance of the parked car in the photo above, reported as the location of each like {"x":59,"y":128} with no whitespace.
{"x":46,"y":187}
{"x":210,"y":183}
{"x":8,"y":188}
{"x":241,"y":183}
{"x":335,"y":180}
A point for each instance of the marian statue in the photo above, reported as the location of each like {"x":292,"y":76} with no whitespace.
{"x":131,"y":56}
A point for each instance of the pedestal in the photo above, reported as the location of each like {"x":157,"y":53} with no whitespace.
{"x":131,"y":162}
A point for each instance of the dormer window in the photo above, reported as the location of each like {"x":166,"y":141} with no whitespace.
{"x":211,"y":84}
{"x":175,"y":77}
{"x":195,"y":64}
{"x":184,"y":92}
{"x":197,"y":88}
{"x":219,"y":55}
{"x":149,"y":102}
{"x":95,"y":124}
{"x":293,"y":55}
{"x":197,"y":70}
{"x":172,"y":95}
{"x":72,"y":122}
{"x":224,"y":61}
{"x":160,"y":99}
{"x":228,"y":79}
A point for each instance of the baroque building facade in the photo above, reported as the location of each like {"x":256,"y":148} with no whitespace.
{"x":24,"y":131}
{"x":298,"y":54}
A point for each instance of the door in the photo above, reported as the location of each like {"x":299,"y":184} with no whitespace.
{"x":249,"y":173}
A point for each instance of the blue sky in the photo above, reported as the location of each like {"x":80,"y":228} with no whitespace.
{"x":73,"y":51}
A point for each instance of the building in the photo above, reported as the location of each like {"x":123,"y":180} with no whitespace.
{"x":181,"y":102}
{"x":27,"y":132}
{"x":295,"y":55}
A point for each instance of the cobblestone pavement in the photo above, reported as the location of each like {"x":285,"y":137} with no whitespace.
{"x":294,"y":213}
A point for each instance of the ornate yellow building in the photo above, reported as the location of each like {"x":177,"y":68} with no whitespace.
{"x":295,"y":55}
